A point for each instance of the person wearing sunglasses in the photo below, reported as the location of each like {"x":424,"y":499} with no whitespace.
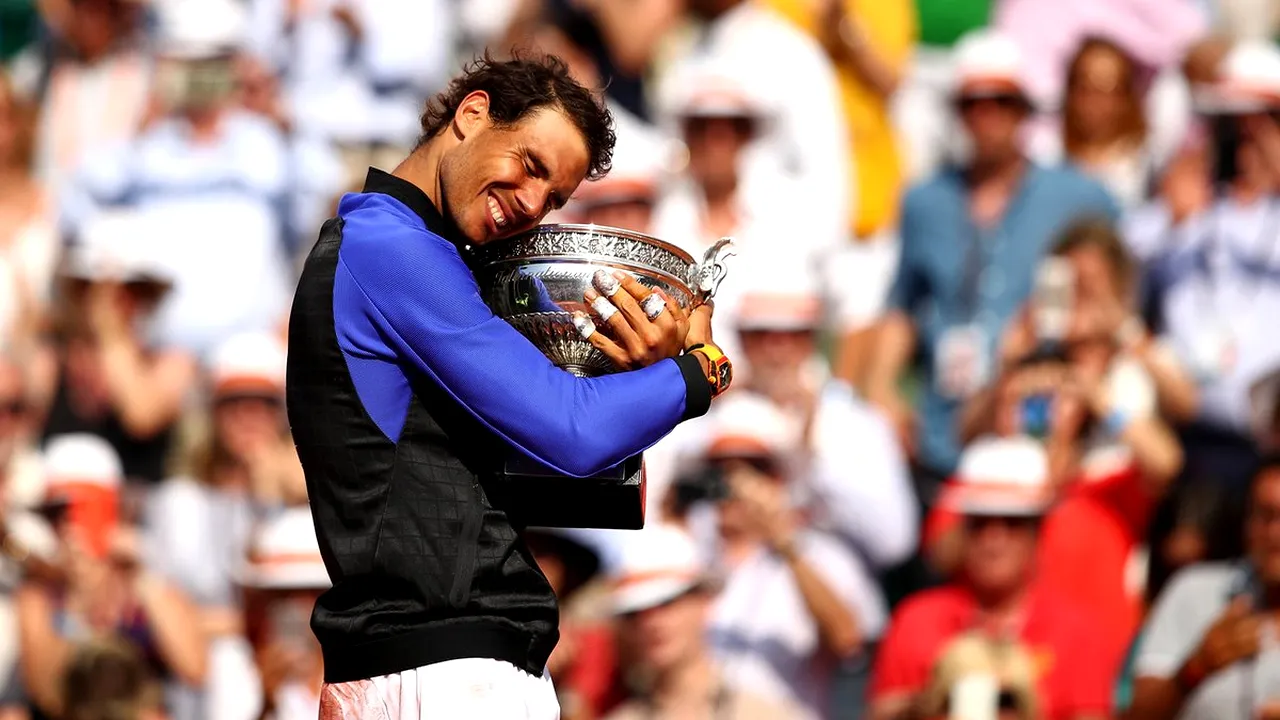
{"x":1002,"y":493}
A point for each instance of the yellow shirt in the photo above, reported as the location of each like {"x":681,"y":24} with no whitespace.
{"x":890,"y":27}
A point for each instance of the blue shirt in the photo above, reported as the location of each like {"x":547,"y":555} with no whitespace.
{"x":951,"y":273}
{"x":406,"y":307}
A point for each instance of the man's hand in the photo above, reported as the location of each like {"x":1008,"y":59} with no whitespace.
{"x":637,"y":326}
{"x":765,"y":501}
{"x":1234,"y":636}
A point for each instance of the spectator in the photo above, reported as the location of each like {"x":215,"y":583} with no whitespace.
{"x":971,"y":239}
{"x":107,"y":680}
{"x":205,"y":166}
{"x":282,"y":577}
{"x":239,"y":464}
{"x":721,"y":192}
{"x":662,"y":594}
{"x":584,"y":662}
{"x":795,"y":601}
{"x":102,"y":588}
{"x":1003,"y":491}
{"x":110,"y":376}
{"x":1203,"y":653}
{"x":1213,"y":289}
{"x":92,"y":80}
{"x":28,"y":245}
{"x":1104,"y":127}
{"x":21,"y":479}
{"x":807,"y":141}
{"x":356,"y":73}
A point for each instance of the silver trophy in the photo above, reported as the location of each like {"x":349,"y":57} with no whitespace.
{"x":535,"y":281}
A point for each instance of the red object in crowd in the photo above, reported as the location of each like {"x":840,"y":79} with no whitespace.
{"x":1087,"y":545}
{"x":593,"y":676}
{"x":1070,"y":679}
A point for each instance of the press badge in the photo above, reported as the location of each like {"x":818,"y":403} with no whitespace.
{"x":962,"y":362}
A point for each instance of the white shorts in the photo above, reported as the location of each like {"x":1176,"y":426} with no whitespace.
{"x":470,"y":688}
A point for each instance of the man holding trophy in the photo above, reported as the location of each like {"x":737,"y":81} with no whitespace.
{"x":426,"y":422}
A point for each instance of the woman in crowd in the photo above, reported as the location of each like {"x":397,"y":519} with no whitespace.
{"x":1104,"y":127}
{"x":28,"y":244}
{"x":104,"y":374}
{"x":238,"y":463}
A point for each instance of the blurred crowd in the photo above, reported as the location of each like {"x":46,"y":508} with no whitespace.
{"x":1005,"y":316}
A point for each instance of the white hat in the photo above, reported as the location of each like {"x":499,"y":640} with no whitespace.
{"x":1248,"y":80}
{"x":655,"y":566}
{"x":198,"y":29}
{"x":717,"y":90}
{"x":778,"y":294}
{"x":640,"y":158}
{"x":119,"y":245}
{"x":1001,"y":477}
{"x":252,"y":363}
{"x":81,"y":459}
{"x":285,"y":555}
{"x":747,"y":424}
{"x":987,"y":63}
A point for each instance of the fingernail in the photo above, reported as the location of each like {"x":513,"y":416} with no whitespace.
{"x":606,"y":283}
{"x":586,"y":328}
{"x":590,"y":295}
{"x":603,"y":308}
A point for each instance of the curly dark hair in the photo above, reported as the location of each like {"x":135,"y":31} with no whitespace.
{"x":520,"y":86}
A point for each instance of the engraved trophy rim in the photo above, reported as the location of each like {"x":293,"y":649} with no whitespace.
{"x":591,"y":228}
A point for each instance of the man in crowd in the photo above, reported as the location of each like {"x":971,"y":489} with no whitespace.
{"x":406,"y":395}
{"x":1204,"y":651}
{"x":971,"y":240}
{"x":1002,"y":490}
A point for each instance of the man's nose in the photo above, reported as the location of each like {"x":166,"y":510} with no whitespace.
{"x":532,"y":200}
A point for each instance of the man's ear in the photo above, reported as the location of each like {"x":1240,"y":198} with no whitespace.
{"x":472,"y":114}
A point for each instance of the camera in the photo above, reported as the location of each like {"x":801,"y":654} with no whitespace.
{"x":705,"y":483}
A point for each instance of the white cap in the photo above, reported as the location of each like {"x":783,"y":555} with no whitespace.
{"x":199,"y":29}
{"x":285,"y":555}
{"x":655,"y":565}
{"x":714,"y":89}
{"x":252,"y":363}
{"x":1001,"y":477}
{"x":777,"y":294}
{"x":120,"y":245}
{"x":987,"y":63}
{"x":640,"y":159}
{"x":1248,"y":80}
{"x":81,"y":459}
{"x":747,"y":424}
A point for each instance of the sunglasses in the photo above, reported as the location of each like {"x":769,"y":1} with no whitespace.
{"x":976,"y":523}
{"x":1004,"y":102}
{"x":12,"y":407}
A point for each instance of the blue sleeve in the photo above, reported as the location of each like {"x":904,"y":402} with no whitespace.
{"x":425,"y":305}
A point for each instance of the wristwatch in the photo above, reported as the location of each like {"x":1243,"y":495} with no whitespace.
{"x":720,"y":370}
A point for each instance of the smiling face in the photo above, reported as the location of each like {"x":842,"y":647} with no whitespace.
{"x":501,"y":181}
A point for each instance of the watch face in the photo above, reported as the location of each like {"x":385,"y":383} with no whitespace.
{"x":725,"y":370}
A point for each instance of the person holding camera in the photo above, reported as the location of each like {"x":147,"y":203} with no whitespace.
{"x":795,"y":602}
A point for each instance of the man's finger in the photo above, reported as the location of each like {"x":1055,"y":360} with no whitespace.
{"x":612,"y":318}
{"x":621,"y":289}
{"x":587,"y":328}
{"x":677,"y":313}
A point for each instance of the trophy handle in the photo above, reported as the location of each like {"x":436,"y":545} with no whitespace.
{"x":708,"y":274}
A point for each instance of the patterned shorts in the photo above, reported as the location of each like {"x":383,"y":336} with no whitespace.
{"x":472,"y":688}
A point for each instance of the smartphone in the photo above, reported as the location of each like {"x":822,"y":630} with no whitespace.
{"x":1052,"y":299}
{"x":975,"y":697}
{"x":1036,"y":414}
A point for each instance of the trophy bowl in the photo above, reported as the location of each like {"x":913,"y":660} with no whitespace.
{"x":536,"y":280}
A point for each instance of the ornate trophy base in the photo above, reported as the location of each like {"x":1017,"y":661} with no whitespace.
{"x":536,"y":497}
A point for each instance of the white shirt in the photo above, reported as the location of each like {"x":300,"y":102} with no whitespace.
{"x":366,"y":91}
{"x":808,"y":139}
{"x":764,"y":637}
